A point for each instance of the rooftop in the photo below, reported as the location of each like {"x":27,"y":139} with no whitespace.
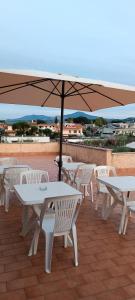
{"x":106,"y":268}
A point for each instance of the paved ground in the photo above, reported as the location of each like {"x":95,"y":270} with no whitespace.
{"x":106,"y":260}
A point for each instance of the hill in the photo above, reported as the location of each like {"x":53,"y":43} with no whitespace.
{"x":49,"y":118}
{"x":80,"y":114}
{"x":30,"y":118}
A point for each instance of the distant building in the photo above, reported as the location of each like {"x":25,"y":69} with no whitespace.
{"x":9,"y":130}
{"x":68,"y":128}
{"x":53,"y":127}
{"x":107,"y":132}
{"x":123,"y":131}
{"x":72,"y":129}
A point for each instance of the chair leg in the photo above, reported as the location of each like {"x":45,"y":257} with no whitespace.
{"x":7,"y":196}
{"x":2,"y":200}
{"x":96,"y":205}
{"x":97,"y":202}
{"x":48,"y":251}
{"x":65,"y":241}
{"x":105,"y":206}
{"x":25,"y":220}
{"x":126,"y":222}
{"x":74,"y":237}
{"x":91,"y":191}
{"x":34,"y":243}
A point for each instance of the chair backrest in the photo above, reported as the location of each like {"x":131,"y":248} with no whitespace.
{"x":8,"y":161}
{"x":84,"y":173}
{"x":34,"y":176}
{"x":12,"y":175}
{"x":65,"y":158}
{"x":64,"y":212}
{"x":103,"y":171}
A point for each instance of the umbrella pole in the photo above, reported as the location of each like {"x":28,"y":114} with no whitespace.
{"x":61,"y":128}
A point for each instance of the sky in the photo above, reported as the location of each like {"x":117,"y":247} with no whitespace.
{"x":93,"y":39}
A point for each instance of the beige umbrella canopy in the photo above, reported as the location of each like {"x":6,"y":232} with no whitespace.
{"x":61,"y":91}
{"x":45,"y":89}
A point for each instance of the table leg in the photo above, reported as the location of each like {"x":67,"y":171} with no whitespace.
{"x":2,"y":197}
{"x":2,"y":191}
{"x":123,"y":217}
{"x":27,"y":222}
{"x":108,"y":206}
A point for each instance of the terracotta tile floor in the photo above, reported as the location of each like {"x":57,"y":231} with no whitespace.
{"x":106,"y":260}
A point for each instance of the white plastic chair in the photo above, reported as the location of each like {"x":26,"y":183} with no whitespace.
{"x":103,"y":171}
{"x":130,"y":209}
{"x":11,"y":177}
{"x":65,"y":176}
{"x":65,"y":158}
{"x":34,"y":176}
{"x":31,"y":177}
{"x":8,"y":161}
{"x":5,"y":161}
{"x":56,"y":221}
{"x":83,"y":178}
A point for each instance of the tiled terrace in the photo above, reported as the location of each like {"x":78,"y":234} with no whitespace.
{"x":107,"y":261}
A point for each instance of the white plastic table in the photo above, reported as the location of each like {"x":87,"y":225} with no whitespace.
{"x":115,"y":184}
{"x":119,"y":183}
{"x":71,"y":165}
{"x":3,"y":167}
{"x":35,"y":194}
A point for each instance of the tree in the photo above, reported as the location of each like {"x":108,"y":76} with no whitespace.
{"x":32,"y":131}
{"x":56,"y":120}
{"x":55,"y":135}
{"x":41,"y":122}
{"x":47,"y":132}
{"x":100,"y":122}
{"x":82,"y":120}
{"x":21,"y":127}
{"x":69,"y":120}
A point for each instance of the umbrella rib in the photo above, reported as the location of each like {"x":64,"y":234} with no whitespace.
{"x":70,"y":87}
{"x":72,"y":95}
{"x":17,"y":88}
{"x":37,"y":87}
{"x":25,"y":82}
{"x":56,"y":85}
{"x":83,"y":87}
{"x":107,"y":97}
{"x":82,"y":98}
{"x":43,"y":104}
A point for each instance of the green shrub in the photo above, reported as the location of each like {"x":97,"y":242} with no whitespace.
{"x":122,"y":149}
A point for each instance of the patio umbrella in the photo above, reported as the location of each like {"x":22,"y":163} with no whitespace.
{"x":61,"y":91}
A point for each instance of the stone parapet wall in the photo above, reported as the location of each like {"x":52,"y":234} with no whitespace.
{"x":98,"y":156}
{"x":30,"y":148}
{"x":123,"y":162}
